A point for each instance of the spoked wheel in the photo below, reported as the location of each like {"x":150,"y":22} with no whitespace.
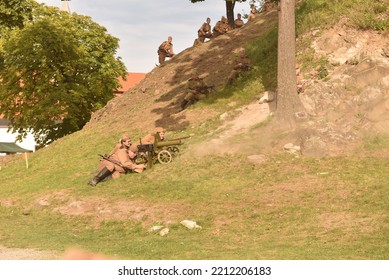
{"x":173,"y":150}
{"x":164,"y":157}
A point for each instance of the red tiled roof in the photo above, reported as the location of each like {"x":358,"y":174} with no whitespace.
{"x":132,"y":80}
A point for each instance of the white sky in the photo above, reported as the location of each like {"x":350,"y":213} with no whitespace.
{"x":141,"y":26}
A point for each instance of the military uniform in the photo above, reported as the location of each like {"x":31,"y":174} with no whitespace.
{"x":238,"y":22}
{"x":204,"y":32}
{"x":121,"y":156}
{"x":197,"y":90}
{"x":221,"y":27}
{"x":165,"y":50}
{"x":119,"y":162}
{"x":148,"y":139}
{"x":252,"y":13}
{"x":242,"y":64}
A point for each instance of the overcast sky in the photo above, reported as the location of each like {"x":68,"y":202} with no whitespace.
{"x":141,"y":26}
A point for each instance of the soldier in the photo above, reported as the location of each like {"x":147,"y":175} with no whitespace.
{"x":197,"y":90}
{"x":115,"y":148}
{"x":252,"y":12}
{"x":221,"y":27}
{"x":165,"y":50}
{"x":238,"y":22}
{"x":242,"y":64}
{"x":204,"y":31}
{"x":118,"y":163}
{"x":159,"y":133}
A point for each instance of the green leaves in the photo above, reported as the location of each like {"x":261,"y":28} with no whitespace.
{"x":55,"y":72}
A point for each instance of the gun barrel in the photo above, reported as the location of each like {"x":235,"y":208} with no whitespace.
{"x":169,"y":143}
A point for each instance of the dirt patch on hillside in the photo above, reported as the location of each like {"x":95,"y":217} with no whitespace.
{"x":27,"y":254}
{"x":353,"y":99}
{"x":158,"y":96}
{"x":349,"y":102}
{"x":100,"y":208}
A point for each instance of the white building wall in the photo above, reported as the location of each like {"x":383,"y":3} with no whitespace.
{"x":27,"y":143}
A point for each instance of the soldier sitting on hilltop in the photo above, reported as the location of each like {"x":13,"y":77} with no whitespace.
{"x":238,"y":22}
{"x":204,"y":31}
{"x":221,"y":27}
{"x":253,"y":11}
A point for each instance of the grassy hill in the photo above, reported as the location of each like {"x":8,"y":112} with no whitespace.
{"x":288,"y":206}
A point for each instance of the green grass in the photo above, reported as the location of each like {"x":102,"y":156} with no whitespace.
{"x":285,"y":208}
{"x":362,"y":14}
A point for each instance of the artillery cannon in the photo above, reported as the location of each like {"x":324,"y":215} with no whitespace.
{"x":162,"y":151}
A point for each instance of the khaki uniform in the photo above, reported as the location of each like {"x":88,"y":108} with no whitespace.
{"x":102,"y":162}
{"x":197,"y":90}
{"x":148,"y":139}
{"x":165,"y":50}
{"x":221,"y":27}
{"x":120,"y":156}
{"x":238,"y":23}
{"x":252,"y":13}
{"x":204,"y":32}
{"x":242,"y":64}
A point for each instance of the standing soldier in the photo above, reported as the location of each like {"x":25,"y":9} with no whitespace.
{"x":204,"y":31}
{"x":165,"y":50}
{"x":221,"y":27}
{"x":118,"y":163}
{"x":242,"y":64}
{"x":197,"y":90}
{"x":238,"y":22}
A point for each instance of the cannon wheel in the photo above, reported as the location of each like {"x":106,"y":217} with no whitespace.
{"x":173,"y":150}
{"x":164,"y":157}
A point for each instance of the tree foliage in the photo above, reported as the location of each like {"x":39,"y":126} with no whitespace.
{"x":55,"y":72}
{"x":230,"y":5}
{"x":13,"y":13}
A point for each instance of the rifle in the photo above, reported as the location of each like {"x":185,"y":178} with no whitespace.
{"x":114,"y":162}
{"x":203,"y":88}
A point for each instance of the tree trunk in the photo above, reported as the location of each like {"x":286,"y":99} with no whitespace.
{"x":289,"y":106}
{"x":230,"y":5}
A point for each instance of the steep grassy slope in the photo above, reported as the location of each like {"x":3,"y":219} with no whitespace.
{"x":287,"y":207}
